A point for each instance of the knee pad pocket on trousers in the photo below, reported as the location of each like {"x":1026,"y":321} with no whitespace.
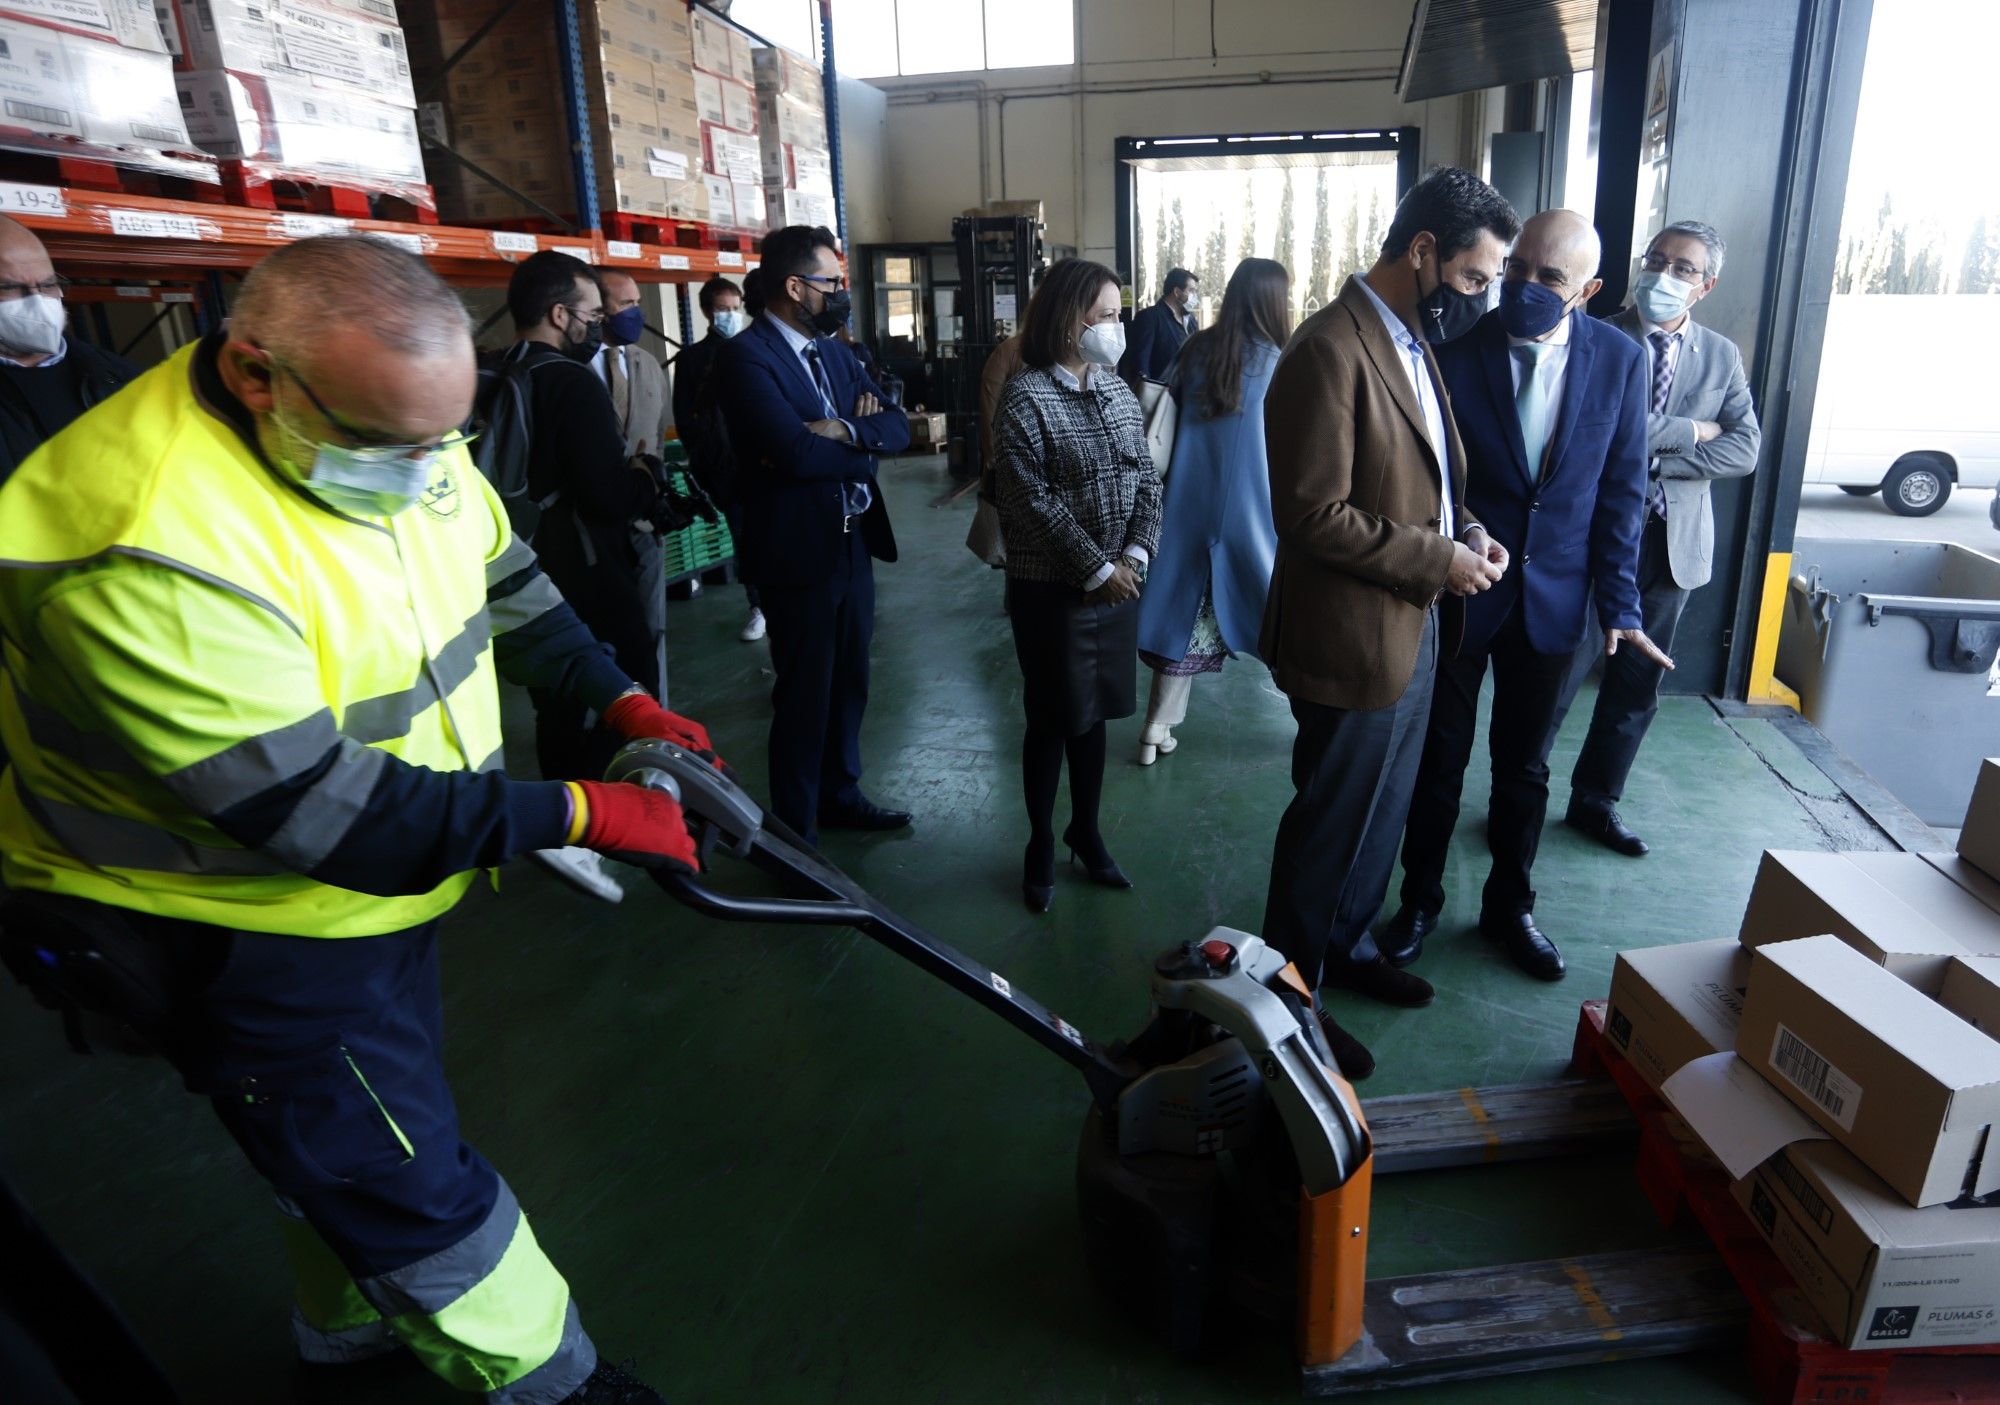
{"x":318,"y":1125}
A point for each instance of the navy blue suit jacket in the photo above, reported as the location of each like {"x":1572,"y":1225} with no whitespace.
{"x":1576,"y":524}
{"x":788,"y":479}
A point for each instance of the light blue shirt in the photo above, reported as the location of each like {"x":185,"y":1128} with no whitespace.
{"x":1418,"y":372}
{"x":1555,"y":361}
{"x":62,"y":350}
{"x":858,"y":495}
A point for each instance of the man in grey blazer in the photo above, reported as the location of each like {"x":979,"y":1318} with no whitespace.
{"x":1702,"y":427}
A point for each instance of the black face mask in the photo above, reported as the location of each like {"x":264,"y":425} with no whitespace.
{"x":1448,"y":313}
{"x":834,"y":310}
{"x":590,"y":345}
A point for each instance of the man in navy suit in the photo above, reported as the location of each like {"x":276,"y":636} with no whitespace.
{"x":806,"y":426}
{"x":1552,"y":408}
{"x":1159,"y":332}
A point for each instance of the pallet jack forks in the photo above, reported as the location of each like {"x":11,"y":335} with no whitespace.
{"x":1225,"y":1159}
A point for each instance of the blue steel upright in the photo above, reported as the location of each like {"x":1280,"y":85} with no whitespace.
{"x":583,"y":160}
{"x":830,"y":82}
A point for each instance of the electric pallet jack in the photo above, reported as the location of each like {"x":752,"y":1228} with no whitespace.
{"x":1225,"y":1163}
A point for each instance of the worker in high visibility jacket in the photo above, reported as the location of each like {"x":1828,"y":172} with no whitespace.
{"x":254,"y":605}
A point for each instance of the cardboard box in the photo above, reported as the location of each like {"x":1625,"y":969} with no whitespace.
{"x":779,"y":70}
{"x":55,"y":84}
{"x":1979,"y":839}
{"x":735,"y":155}
{"x":1971,"y":991}
{"x":1870,"y":1059}
{"x":1951,"y":907}
{"x":133,"y":24}
{"x":314,"y":43}
{"x":1880,"y":1273}
{"x":1962,"y":872}
{"x":739,"y":107}
{"x":784,"y":207}
{"x":302,"y":129}
{"x":798,"y":167}
{"x":1674,"y":1004}
{"x":784,"y":119}
{"x":1804,"y":894}
{"x":928,"y":428}
{"x":748,"y":202}
{"x":708,"y":97}
{"x":709,"y":37}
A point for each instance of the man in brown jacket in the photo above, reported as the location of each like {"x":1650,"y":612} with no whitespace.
{"x":1367,"y":487}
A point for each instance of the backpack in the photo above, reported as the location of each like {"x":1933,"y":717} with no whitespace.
{"x":503,"y":421}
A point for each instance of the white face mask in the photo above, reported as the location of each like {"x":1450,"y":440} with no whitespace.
{"x":1102,"y":343}
{"x":730,"y":321}
{"x":31,"y":325}
{"x":360,"y":482}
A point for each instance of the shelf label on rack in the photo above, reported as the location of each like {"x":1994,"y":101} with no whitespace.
{"x":673,"y":261}
{"x":310,"y":226}
{"x":177,"y":297}
{"x":587,"y":255}
{"x":621,"y":249}
{"x":508,"y":242}
{"x":147,"y":224}
{"x":415,"y":243}
{"x":134,"y":290}
{"x":729,"y":260}
{"x":32,"y":199}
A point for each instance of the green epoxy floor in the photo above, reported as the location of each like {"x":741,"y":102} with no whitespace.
{"x":781,"y":1165}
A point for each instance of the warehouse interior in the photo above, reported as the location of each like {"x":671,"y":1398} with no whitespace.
{"x":797,"y":1157}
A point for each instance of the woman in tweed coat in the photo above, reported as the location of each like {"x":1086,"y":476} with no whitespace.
{"x":1080,"y":515}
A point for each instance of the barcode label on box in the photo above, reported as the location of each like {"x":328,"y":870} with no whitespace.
{"x":620,"y":249}
{"x":32,"y":199}
{"x":509,"y":243}
{"x":673,"y":260}
{"x":1837,"y":1095}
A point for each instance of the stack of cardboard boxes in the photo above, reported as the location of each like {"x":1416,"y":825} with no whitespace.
{"x":92,"y":78}
{"x":502,"y":108}
{"x":725,"y":97}
{"x":797,"y":160}
{"x":1840,"y":1059}
{"x":317,"y":90}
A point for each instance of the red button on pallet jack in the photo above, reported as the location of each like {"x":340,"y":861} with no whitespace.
{"x":1218,"y":952}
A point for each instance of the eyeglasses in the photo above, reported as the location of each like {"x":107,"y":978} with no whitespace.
{"x":1680,"y":268}
{"x":55,"y":287}
{"x":374,"y":445}
{"x":835,"y":279}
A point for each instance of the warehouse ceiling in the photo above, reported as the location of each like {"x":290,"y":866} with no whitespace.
{"x":1460,"y":46}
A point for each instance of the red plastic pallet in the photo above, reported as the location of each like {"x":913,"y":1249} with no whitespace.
{"x":92,"y":173}
{"x":265,"y":190}
{"x":1792,"y":1361}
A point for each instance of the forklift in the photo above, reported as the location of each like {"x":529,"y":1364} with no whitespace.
{"x":1225,"y":1164}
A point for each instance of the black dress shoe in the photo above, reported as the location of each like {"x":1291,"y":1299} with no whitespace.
{"x":1379,"y":980}
{"x":1401,"y":940}
{"x":1609,"y":830}
{"x":866,"y":815}
{"x":1096,"y":859}
{"x":1038,"y":877}
{"x":1532,"y":951}
{"x":1350,"y":1053}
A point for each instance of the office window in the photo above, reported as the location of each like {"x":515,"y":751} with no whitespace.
{"x":1028,"y":33}
{"x":890,"y":38}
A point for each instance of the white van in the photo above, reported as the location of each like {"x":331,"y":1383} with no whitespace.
{"x":1907,"y":404}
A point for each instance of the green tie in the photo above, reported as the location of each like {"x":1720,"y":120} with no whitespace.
{"x":1531,"y":403}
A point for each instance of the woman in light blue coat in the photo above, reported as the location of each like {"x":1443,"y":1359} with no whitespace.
{"x":1204,"y":597}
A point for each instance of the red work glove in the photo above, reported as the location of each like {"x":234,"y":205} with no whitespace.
{"x":636,"y":716}
{"x":633,"y":823}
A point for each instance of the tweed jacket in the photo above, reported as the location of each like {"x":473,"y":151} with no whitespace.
{"x":1072,"y":478}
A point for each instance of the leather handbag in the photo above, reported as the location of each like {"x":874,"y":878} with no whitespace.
{"x":1161,"y":416}
{"x":983,"y":538}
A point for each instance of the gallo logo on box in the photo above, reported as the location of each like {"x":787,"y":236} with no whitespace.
{"x":1893,"y":1324}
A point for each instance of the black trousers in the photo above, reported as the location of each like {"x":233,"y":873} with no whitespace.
{"x":1351,"y":774}
{"x":820,"y":636}
{"x":1629,"y":697}
{"x":1526,"y":687}
{"x":570,"y":743}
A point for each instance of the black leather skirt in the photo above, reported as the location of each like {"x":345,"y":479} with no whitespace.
{"x":1079,"y":659}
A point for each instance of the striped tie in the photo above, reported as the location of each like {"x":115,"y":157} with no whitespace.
{"x":1663,"y":381}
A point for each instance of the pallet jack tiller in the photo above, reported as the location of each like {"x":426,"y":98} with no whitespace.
{"x":1224,"y":1161}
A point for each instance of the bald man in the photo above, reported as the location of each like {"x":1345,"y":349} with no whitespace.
{"x":46,"y":380}
{"x":1552,"y":407}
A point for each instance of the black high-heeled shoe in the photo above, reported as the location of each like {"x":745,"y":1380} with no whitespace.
{"x":1038,"y":879}
{"x":1106,"y":873}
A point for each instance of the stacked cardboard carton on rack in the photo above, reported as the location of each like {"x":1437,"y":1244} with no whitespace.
{"x":93,"y":80}
{"x":797,"y":162}
{"x":502,"y":108}
{"x":726,"y":101}
{"x":300,"y":92}
{"x":1840,"y":1059}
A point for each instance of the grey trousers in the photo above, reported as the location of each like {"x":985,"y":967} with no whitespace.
{"x":1353,"y":773}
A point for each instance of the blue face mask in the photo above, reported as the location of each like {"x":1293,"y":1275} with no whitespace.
{"x":1528,"y":310}
{"x":1660,"y":299}
{"x":625,"y":328}
{"x":729,"y":321}
{"x":359,"y":482}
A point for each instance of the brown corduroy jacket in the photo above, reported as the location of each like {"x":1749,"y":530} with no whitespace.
{"x":1356,"y":499}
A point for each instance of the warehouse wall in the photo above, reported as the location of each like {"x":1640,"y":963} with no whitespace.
{"x":864,"y":115}
{"x":1146,"y":70}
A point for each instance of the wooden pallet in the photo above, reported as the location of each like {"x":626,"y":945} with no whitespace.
{"x":1792,"y":1361}
{"x":260,"y":188}
{"x":95,"y":173}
